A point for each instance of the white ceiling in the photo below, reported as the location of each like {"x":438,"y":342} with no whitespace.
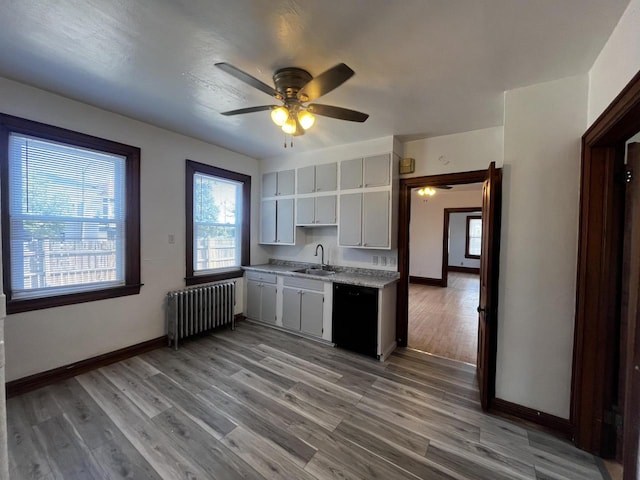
{"x":423,"y":67}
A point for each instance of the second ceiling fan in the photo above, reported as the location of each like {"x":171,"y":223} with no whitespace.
{"x":295,"y":87}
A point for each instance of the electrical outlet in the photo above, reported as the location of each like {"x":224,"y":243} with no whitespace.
{"x":374,"y":259}
{"x":172,"y":238}
{"x":392,"y":261}
{"x":383,"y":261}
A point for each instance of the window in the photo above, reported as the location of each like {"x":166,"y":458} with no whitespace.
{"x":474,"y":237}
{"x":71,"y":232}
{"x":218,"y":218}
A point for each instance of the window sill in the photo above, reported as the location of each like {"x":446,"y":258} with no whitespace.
{"x":214,"y":277}
{"x":29,"y":304}
{"x":473,"y":257}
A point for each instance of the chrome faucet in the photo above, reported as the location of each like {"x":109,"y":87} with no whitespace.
{"x":322,"y":257}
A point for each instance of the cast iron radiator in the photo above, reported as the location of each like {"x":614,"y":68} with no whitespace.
{"x":198,"y":309}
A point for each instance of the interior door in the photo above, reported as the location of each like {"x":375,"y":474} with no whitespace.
{"x":629,"y":313}
{"x":488,"y":304}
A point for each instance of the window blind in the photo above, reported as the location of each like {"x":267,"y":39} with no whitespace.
{"x":67,"y":217}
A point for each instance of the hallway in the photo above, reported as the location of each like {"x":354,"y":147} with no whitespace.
{"x":444,"y":321}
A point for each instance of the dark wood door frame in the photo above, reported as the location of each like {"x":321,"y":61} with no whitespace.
{"x":404,"y":214}
{"x":445,"y":239}
{"x":599,"y":273}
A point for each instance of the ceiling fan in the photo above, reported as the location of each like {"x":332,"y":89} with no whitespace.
{"x":295,"y":87}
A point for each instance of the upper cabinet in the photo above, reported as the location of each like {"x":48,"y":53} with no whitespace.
{"x":276,"y":184}
{"x":374,"y":171}
{"x":318,"y":178}
{"x":357,"y":195}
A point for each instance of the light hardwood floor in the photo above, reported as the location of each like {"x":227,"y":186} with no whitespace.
{"x":444,"y":321}
{"x":256,"y":403}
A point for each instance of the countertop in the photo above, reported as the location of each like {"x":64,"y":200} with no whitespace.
{"x":352,"y":276}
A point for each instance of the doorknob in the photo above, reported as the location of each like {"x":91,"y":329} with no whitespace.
{"x":482,"y":310}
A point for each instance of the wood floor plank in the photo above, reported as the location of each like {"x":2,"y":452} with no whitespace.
{"x":215,"y":422}
{"x":259,"y":424}
{"x":301,"y":376}
{"x":271,"y":462}
{"x":149,"y":401}
{"x":69,"y":455}
{"x":212,"y":456}
{"x":27,"y":457}
{"x":256,"y":403}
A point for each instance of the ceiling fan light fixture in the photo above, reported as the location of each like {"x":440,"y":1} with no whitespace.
{"x":289,"y":126}
{"x":306,"y":119}
{"x":279,"y":115}
{"x":428,"y":191}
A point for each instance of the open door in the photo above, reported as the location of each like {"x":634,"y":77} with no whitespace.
{"x":489,"y":262}
{"x":630,"y":350}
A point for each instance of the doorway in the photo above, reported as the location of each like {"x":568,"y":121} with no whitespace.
{"x":444,"y":282}
{"x":489,"y":265}
{"x":607,"y":329}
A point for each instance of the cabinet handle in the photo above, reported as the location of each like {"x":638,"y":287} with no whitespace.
{"x":318,"y":189}
{"x":364,"y":244}
{"x":360,"y":186}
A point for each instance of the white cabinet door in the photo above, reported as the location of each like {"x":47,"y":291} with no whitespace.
{"x":311,"y":313}
{"x":350,"y":227}
{"x":285,"y":222}
{"x":306,"y":179}
{"x":268,"y":222}
{"x":291,"y":308}
{"x":377,"y":171}
{"x":325,"y":210}
{"x":375,"y":221}
{"x":253,"y":300}
{"x":269,"y":184}
{"x":305,"y":211}
{"x":351,"y":174}
{"x":268,"y":303}
{"x":286,"y":182}
{"x":326,"y":177}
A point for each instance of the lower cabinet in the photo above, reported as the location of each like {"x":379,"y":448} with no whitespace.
{"x":303,"y":305}
{"x":261,"y":297}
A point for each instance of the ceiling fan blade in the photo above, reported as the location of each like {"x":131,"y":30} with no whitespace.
{"x":325,"y":82}
{"x":444,"y":187}
{"x":337,"y":112}
{"x":246,"y":78}
{"x":240,"y":111}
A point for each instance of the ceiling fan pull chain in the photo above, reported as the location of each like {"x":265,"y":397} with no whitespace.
{"x":285,"y":140}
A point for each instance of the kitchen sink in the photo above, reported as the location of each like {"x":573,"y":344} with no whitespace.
{"x":316,"y":271}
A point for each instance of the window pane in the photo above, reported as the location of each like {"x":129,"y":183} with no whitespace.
{"x":475,"y":228}
{"x":67,"y":213}
{"x":474,"y":246}
{"x":217,"y":205}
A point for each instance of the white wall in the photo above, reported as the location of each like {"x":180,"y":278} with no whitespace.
{"x":45,"y":339}
{"x":426,"y":228}
{"x":458,"y":240}
{"x":459,"y":152}
{"x":617,"y":63}
{"x":307,"y":238}
{"x":543,"y":127}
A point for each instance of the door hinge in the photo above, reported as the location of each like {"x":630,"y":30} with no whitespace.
{"x":614,"y":418}
{"x":628,"y":176}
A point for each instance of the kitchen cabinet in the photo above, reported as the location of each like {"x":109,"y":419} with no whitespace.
{"x":368,"y":172}
{"x":278,"y":183}
{"x":277,"y":222}
{"x":318,"y":178}
{"x":364,"y":220}
{"x":261,"y":297}
{"x":315,"y":211}
{"x":303,"y":305}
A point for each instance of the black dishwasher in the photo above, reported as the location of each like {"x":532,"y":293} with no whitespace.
{"x":355,"y":318}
